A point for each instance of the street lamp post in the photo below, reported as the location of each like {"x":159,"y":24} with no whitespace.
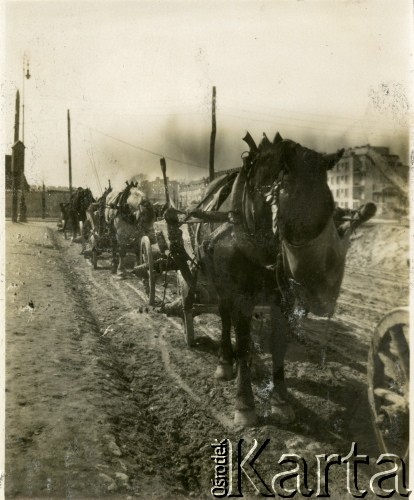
{"x":23,"y":208}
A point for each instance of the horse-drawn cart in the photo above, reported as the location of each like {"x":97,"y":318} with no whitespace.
{"x":388,"y":382}
{"x":117,"y":226}
{"x":167,"y":254}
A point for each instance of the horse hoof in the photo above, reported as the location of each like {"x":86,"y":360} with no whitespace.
{"x":245,"y":418}
{"x":282,"y":411}
{"x":224,"y":372}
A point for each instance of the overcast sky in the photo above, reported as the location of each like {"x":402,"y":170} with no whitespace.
{"x":137,"y":77}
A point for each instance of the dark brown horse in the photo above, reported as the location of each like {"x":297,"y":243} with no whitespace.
{"x":280,"y":243}
{"x":74,"y":212}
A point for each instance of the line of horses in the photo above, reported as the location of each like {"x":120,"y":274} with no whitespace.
{"x":125,"y":214}
{"x":283,"y":238}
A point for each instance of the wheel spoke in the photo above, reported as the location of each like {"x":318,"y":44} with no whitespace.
{"x":391,"y":397}
{"x":389,"y":365}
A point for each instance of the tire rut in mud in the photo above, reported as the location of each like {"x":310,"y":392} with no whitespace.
{"x":161,"y":431}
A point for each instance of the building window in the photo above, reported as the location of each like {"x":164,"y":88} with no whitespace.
{"x":346,"y":193}
{"x":337,"y":192}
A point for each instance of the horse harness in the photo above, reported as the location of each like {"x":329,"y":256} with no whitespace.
{"x":123,"y":209}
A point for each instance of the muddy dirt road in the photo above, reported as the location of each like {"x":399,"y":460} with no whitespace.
{"x":103,"y":398}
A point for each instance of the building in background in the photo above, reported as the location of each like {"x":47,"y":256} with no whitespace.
{"x":155,"y":190}
{"x":191,"y":193}
{"x":368,"y":173}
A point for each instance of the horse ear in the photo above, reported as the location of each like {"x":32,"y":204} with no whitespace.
{"x":332,"y":159}
{"x":278,"y":138}
{"x":250,"y":141}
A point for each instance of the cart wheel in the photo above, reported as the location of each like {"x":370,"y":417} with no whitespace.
{"x":149,"y":279}
{"x":388,"y":382}
{"x":187,"y":313}
{"x":94,"y":258}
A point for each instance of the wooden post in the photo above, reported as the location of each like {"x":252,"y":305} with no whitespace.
{"x":165,"y":179}
{"x":15,"y":166}
{"x":18,"y":180}
{"x":69,"y":157}
{"x":16,"y":117}
{"x":213,"y":136}
{"x":43,"y":201}
{"x":15,"y":185}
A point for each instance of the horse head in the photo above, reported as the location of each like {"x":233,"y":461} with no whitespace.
{"x":313,"y":254}
{"x":140,"y":206}
{"x":305,"y":202}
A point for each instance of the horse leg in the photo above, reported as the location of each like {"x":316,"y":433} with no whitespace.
{"x":81,"y":230}
{"x":121,"y":266}
{"x":115,"y":259}
{"x":64,"y":228}
{"x":245,"y":414}
{"x":281,"y":409}
{"x":75,"y":227}
{"x":224,"y":369}
{"x":73,"y":223}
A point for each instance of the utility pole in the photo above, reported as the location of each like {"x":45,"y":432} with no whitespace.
{"x":70,"y":157}
{"x":23,"y":208}
{"x":43,"y":201}
{"x":26,"y":74}
{"x":15,"y":166}
{"x":213,"y":136}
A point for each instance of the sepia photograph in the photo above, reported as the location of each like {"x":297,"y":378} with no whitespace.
{"x":206,"y":249}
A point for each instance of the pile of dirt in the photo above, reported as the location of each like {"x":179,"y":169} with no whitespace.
{"x":383,"y":247}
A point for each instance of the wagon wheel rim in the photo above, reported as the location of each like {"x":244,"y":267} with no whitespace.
{"x":149,"y":277}
{"x":388,"y":379}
